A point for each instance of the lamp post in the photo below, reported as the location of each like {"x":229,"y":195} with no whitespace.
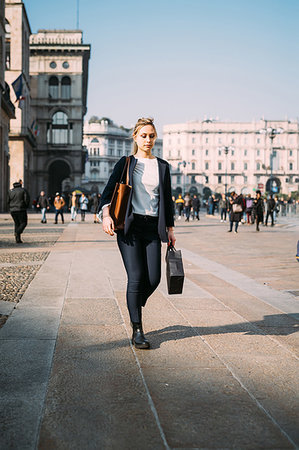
{"x":226,"y":149}
{"x":184,"y":164}
{"x":271,"y":133}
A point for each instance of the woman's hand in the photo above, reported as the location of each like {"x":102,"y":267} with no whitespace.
{"x":171,"y":237}
{"x":108,"y":225}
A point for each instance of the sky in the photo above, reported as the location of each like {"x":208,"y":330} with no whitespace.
{"x":181,"y":60}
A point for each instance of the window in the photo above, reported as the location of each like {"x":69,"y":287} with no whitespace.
{"x":193,"y":152}
{"x":207,"y":140}
{"x":258,"y":141}
{"x":257,"y":153}
{"x":193,"y":179}
{"x":65,"y":65}
{"x":245,"y":179}
{"x":94,"y":140}
{"x":219,"y":152}
{"x":233,"y":140}
{"x":53,"y":87}
{"x":207,"y":152}
{"x":193,"y":140}
{"x":207,"y":166}
{"x":291,"y":166}
{"x":193,"y":166}
{"x":60,"y":131}
{"x":219,"y":179}
{"x":7,"y":44}
{"x":258,"y":166}
{"x":291,"y":152}
{"x":53,"y":65}
{"x":178,"y":179}
{"x":232,"y":166}
{"x":219,"y":166}
{"x":245,"y":166}
{"x":233,"y":152}
{"x":66,"y":88}
{"x":232,"y":178}
{"x":207,"y":179}
{"x":245,"y":152}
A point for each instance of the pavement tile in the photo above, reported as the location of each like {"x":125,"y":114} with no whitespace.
{"x":91,"y":311}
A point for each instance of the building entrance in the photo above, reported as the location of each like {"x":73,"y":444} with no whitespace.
{"x":58,"y":171}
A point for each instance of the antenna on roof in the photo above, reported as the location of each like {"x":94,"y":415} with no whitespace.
{"x":77,"y":14}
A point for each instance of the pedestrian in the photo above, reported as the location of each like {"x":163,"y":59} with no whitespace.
{"x":74,"y":205}
{"x":179,"y":204}
{"x":43,"y":204}
{"x":187,"y":206}
{"x":223,"y":205}
{"x":249,"y":208}
{"x":83,"y":206}
{"x":236,"y":211}
{"x":195,"y":207}
{"x":95,"y":206}
{"x":270,"y":210}
{"x":258,"y":209}
{"x":18,"y":201}
{"x":59,"y":205}
{"x":173,"y":207}
{"x":276,"y":209}
{"x":148,"y":221}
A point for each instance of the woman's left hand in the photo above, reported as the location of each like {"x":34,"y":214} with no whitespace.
{"x":171,"y":237}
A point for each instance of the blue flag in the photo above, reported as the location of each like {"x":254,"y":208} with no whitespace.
{"x":18,"y":86}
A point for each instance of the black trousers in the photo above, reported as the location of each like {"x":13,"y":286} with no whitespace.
{"x":141,"y":254}
{"x":20,"y":220}
{"x":57,"y":213}
{"x":269,"y":213}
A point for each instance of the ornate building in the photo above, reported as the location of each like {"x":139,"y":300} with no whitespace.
{"x":106,"y":143}
{"x":21,"y":138}
{"x":7,"y":111}
{"x":59,"y":76}
{"x":212,"y":156}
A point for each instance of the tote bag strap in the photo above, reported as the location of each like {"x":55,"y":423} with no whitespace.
{"x":126,"y":166}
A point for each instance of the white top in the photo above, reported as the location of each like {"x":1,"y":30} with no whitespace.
{"x":145,"y":196}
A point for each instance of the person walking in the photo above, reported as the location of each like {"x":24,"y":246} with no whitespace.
{"x":249,"y":208}
{"x":270,"y":210}
{"x":179,"y":204}
{"x":195,"y":207}
{"x":187,"y":206}
{"x":59,"y":205}
{"x":18,"y":201}
{"x":258,"y":209}
{"x":83,"y":206}
{"x":95,"y":206}
{"x":236,"y":211}
{"x":223,"y":205}
{"x":74,"y":205}
{"x":43,"y":204}
{"x":148,"y":222}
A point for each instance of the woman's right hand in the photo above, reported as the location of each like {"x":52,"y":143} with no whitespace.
{"x":108,"y":225}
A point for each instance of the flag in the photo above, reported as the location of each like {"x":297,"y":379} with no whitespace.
{"x":18,"y":87}
{"x":34,"y":128}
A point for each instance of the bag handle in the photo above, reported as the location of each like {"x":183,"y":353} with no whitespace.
{"x":126,"y":166}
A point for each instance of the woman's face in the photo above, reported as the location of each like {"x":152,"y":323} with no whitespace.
{"x":145,"y":138}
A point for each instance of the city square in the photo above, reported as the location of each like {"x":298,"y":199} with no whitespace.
{"x":145,"y":147}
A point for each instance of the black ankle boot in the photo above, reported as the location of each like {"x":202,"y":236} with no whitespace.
{"x":138,"y":338}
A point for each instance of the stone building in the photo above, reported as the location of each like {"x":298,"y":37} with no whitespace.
{"x":212,"y":156}
{"x":21,"y":139}
{"x":7,"y":112}
{"x":59,"y":76}
{"x":106,"y":143}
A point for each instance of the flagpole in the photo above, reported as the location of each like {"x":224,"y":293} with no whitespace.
{"x":77,"y":14}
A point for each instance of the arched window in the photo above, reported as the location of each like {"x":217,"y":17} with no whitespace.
{"x":94,"y":140}
{"x":60,"y":131}
{"x":53,"y":87}
{"x":94,"y":174}
{"x":66,"y":88}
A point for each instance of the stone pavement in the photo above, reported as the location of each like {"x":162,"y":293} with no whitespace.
{"x":222,"y":370}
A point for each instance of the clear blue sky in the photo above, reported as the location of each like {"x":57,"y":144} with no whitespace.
{"x":179,"y":60}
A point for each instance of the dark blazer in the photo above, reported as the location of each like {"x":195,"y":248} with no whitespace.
{"x":165,"y":201}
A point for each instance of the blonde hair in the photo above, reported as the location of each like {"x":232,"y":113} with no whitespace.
{"x":140,"y":124}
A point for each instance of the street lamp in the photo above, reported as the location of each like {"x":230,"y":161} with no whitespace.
{"x":226,"y":150}
{"x":272,"y":133}
{"x":184,"y":164}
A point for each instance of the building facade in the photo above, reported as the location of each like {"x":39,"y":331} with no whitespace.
{"x":212,"y":157}
{"x":7,"y":112}
{"x":59,"y":77}
{"x":106,"y":143}
{"x":21,"y":138}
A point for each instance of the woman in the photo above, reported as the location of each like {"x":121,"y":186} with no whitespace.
{"x":149,"y":220}
{"x":83,"y":206}
{"x":223,"y":205}
{"x":235,"y":211}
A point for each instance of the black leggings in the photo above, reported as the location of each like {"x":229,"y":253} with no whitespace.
{"x":141,"y":254}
